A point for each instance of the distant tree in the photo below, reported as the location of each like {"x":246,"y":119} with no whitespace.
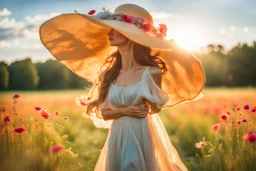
{"x":23,"y":75}
{"x":4,"y":76}
{"x":53,"y":75}
{"x":77,"y":82}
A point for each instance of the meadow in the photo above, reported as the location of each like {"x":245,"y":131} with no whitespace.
{"x":45,"y":130}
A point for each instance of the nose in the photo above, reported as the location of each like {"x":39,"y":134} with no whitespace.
{"x":110,"y":33}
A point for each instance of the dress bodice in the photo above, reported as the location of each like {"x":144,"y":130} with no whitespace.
{"x":129,"y":95}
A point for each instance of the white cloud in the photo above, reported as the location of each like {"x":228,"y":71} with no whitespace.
{"x":232,"y":28}
{"x":10,"y":23}
{"x":40,"y":18}
{"x":10,"y":29}
{"x":161,"y":15}
{"x":245,"y":29}
{"x":5,"y":12}
{"x":4,"y":44}
{"x":222,"y":31}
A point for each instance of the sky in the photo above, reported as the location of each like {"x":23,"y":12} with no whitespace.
{"x":193,"y":24}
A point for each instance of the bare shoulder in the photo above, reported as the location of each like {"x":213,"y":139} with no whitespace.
{"x":156,"y":73}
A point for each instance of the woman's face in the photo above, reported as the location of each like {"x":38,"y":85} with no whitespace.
{"x":116,"y":38}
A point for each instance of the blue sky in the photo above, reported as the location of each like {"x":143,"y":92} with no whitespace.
{"x":193,"y":24}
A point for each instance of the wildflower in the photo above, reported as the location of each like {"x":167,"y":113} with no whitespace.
{"x":238,"y":122}
{"x":238,"y":108}
{"x":215,"y":127}
{"x":66,"y":118}
{"x":56,"y":148}
{"x":7,"y":119}
{"x":57,"y":113}
{"x":244,"y":120}
{"x":200,"y":144}
{"x":254,"y":109}
{"x":224,"y":117}
{"x":38,"y":108}
{"x":91,"y":12}
{"x":246,"y":107}
{"x":250,"y":137}
{"x":45,"y":114}
{"x":82,"y":100}
{"x":16,"y":96}
{"x":20,"y":130}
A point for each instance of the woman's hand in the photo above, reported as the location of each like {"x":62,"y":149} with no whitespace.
{"x":139,"y":110}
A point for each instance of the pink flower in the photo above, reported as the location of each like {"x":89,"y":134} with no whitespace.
{"x":91,"y":12}
{"x":146,"y":26}
{"x":7,"y":119}
{"x":38,"y":108}
{"x":16,"y":96}
{"x":20,"y":130}
{"x":200,"y":144}
{"x":82,"y":100}
{"x":250,"y":137}
{"x":56,"y":148}
{"x":45,"y":114}
{"x":224,"y":117}
{"x":215,"y":127}
{"x":246,"y":107}
{"x":127,"y":18}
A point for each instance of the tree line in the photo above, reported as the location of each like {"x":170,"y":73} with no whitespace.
{"x":234,"y":68}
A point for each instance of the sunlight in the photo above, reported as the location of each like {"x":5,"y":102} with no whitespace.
{"x":188,"y":36}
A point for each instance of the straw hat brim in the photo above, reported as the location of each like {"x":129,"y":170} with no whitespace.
{"x":81,"y":43}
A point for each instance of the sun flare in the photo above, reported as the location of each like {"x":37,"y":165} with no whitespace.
{"x":188,"y":37}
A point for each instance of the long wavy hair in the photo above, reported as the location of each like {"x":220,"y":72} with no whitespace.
{"x":143,"y":55}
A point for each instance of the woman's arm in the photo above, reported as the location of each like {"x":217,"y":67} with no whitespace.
{"x":112,"y":113}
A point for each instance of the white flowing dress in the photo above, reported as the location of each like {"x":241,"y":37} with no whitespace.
{"x":137,"y":144}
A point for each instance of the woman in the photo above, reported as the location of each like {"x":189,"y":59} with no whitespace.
{"x":141,"y":76}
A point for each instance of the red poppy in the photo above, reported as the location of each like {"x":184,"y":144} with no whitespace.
{"x":246,"y":107}
{"x":16,"y":96}
{"x":224,"y":117}
{"x":38,"y":108}
{"x":56,"y":148}
{"x":91,"y":12}
{"x":7,"y":119}
{"x":215,"y":127}
{"x":20,"y":130}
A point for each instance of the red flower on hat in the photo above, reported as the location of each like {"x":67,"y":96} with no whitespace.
{"x":162,"y":29}
{"x":91,"y":12}
{"x":127,"y":18}
{"x":146,"y":26}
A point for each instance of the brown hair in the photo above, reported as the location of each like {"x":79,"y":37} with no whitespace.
{"x":143,"y":55}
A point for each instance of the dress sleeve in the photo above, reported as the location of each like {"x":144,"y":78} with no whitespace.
{"x":153,"y":93}
{"x":97,"y":118}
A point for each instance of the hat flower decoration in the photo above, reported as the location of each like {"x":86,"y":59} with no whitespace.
{"x":139,"y":22}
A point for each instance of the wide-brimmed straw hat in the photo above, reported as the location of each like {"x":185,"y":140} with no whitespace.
{"x":81,"y":42}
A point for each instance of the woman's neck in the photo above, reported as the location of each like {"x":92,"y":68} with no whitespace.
{"x":127,"y":55}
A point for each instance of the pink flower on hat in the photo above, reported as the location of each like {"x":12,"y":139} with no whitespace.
{"x":91,"y":12}
{"x":146,"y":26}
{"x":127,"y":18}
{"x":162,"y":29}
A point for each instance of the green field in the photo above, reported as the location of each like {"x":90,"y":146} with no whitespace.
{"x":186,"y":125}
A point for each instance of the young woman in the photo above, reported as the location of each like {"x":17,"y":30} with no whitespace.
{"x":143,"y":73}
